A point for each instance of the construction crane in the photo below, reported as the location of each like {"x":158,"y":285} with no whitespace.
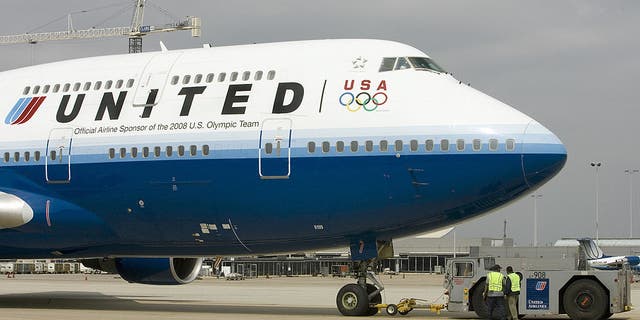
{"x":135,"y":32}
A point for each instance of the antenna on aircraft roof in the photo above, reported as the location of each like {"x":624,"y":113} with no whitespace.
{"x":135,"y":31}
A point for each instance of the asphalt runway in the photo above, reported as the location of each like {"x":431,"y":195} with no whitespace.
{"x":70,"y":297}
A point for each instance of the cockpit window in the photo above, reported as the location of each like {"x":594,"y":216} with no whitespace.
{"x":387,"y":64}
{"x":422,"y":63}
{"x":402,"y":64}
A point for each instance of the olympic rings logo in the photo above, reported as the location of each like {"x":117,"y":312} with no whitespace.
{"x":362,"y":100}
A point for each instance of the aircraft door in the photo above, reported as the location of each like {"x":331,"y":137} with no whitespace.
{"x":57,"y":168}
{"x":154,"y":79}
{"x":274,"y":151}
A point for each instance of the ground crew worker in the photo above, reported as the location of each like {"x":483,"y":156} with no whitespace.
{"x":513,"y":293}
{"x":494,"y":294}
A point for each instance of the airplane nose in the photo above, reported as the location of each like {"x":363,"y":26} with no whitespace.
{"x":543,"y":154}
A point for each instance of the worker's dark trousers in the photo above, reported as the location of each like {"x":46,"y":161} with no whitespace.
{"x":495,"y":306}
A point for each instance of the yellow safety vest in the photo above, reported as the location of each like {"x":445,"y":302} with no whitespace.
{"x":495,"y":281}
{"x":515,"y":282}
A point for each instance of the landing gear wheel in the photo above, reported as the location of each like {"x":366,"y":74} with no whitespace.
{"x":392,"y":309}
{"x":352,"y":300}
{"x":586,"y":300}
{"x":377,"y":299}
{"x":477,"y":301}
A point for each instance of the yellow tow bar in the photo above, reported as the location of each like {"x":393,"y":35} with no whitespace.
{"x":407,"y":304}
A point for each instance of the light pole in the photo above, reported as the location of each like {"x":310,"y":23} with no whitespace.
{"x":535,"y":218}
{"x":630,"y":172}
{"x":597,"y":165}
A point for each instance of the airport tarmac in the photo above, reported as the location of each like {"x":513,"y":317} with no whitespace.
{"x":71,"y":297}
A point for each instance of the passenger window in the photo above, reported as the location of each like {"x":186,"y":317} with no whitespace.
{"x":174,"y":80}
{"x":98,"y":85}
{"x":460,"y":144}
{"x":311,"y":147}
{"x":398,"y":145}
{"x":493,"y":144}
{"x":326,"y":146}
{"x":268,"y":148}
{"x":36,"y":156}
{"x":66,"y":87}
{"x":129,"y":83}
{"x":181,"y":151}
{"x":27,"y":156}
{"x":271,"y":75}
{"x":258,"y":76}
{"x":205,"y":150}
{"x":368,"y":145}
{"x":477,"y":144}
{"x":36,"y":89}
{"x":246,"y":75}
{"x":384,"y":145}
{"x":6,"y":156}
{"x":193,"y":150}
{"x":76,"y":86}
{"x":428,"y":145}
{"x":119,"y":84}
{"x":340,"y":146}
{"x":402,"y":64}
{"x":112,"y":153}
{"x":387,"y":64}
{"x":87,"y":86}
{"x":134,"y":152}
{"x":413,"y":144}
{"x":45,"y":89}
{"x":16,"y":156}
{"x":145,"y":152}
{"x":221,"y":77}
{"x":234,"y":76}
{"x":52,"y":155}
{"x":354,"y":146}
{"x":511,"y":144}
{"x":108,"y":84}
{"x":197,"y":79}
{"x":444,"y":145}
{"x":123,"y":153}
{"x":169,"y":151}
{"x":26,"y":90}
{"x":186,"y":79}
{"x":210,"y":77}
{"x":157,"y":151}
{"x":56,"y":88}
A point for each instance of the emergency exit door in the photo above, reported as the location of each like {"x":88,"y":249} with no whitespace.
{"x":274,"y":152}
{"x":57,"y":168}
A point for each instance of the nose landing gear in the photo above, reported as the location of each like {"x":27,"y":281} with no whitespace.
{"x":361,"y":298}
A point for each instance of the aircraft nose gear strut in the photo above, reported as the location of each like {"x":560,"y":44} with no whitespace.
{"x":360,"y":299}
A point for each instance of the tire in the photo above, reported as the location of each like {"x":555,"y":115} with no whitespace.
{"x":352,"y":300}
{"x":404,"y":313}
{"x":477,"y":301}
{"x":392,"y":310}
{"x":585,"y":299}
{"x":377,"y":299}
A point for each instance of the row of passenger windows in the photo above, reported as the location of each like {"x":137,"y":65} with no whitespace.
{"x":78,"y":86}
{"x":146,"y":152}
{"x":211,"y":77}
{"x":181,"y":151}
{"x":398,"y":145}
{"x":17,"y":156}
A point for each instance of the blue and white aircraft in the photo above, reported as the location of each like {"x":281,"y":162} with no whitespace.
{"x":598,"y":260}
{"x":141,"y":163}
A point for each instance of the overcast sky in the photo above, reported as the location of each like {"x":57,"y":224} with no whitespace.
{"x":572,"y":65}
